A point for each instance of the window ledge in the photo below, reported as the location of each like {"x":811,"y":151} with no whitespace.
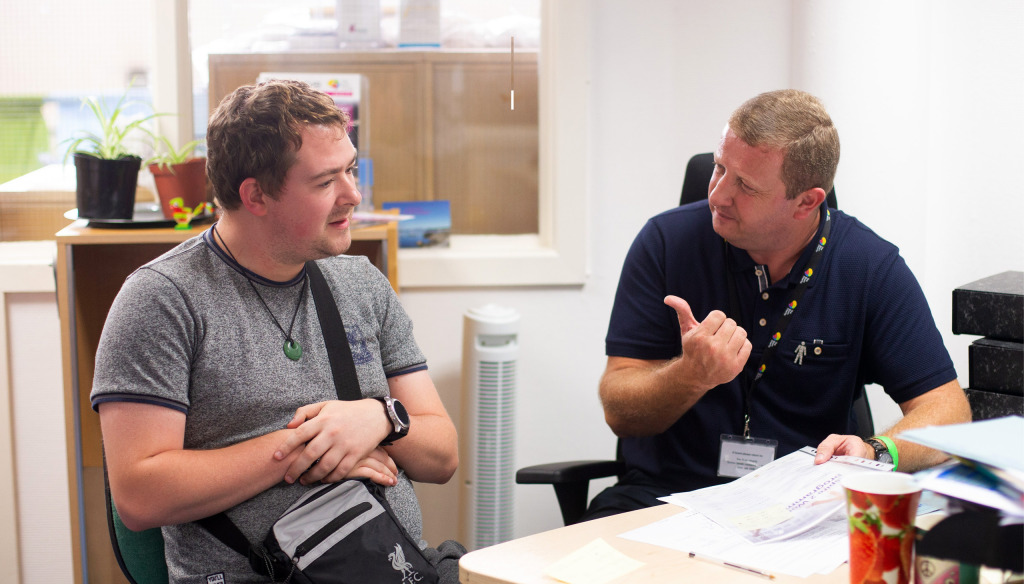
{"x":488,"y":260}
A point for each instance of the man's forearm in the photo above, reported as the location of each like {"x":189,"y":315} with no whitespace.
{"x":945,"y":404}
{"x":645,"y":398}
{"x":430,"y":452}
{"x":178,"y":486}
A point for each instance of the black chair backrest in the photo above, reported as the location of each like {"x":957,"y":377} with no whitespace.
{"x":698,"y":174}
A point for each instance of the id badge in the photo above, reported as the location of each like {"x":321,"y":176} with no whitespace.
{"x":739,"y":456}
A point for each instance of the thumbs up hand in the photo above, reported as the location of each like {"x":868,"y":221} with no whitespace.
{"x":714,"y":350}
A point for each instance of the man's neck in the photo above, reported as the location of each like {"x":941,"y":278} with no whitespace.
{"x":781,"y":261}
{"x":249,"y":248}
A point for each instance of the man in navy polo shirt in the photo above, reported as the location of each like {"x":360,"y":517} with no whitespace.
{"x":743,"y":327}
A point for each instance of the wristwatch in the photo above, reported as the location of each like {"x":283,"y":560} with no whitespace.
{"x":398,"y":416}
{"x":881,"y":450}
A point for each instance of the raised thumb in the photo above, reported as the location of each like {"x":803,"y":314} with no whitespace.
{"x":683,"y":312}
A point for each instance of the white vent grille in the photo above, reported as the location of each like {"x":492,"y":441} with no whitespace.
{"x":490,"y":351}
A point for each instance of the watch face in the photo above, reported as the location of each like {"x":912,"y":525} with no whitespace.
{"x":403,"y":416}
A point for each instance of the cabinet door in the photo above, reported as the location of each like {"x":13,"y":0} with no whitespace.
{"x":485,"y":153}
{"x":394,"y":118}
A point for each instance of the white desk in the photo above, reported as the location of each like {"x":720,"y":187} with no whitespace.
{"x":523,"y":561}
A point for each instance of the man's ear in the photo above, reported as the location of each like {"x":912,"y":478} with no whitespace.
{"x":808,"y":202}
{"x":253,"y":197}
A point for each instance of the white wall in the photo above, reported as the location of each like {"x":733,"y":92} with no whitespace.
{"x":72,"y":43}
{"x":926,"y":96}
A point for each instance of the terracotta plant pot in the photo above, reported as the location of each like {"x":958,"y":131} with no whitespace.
{"x":186,"y":180}
{"x":105,"y":189}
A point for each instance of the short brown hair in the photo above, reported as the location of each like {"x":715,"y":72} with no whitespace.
{"x":256,"y":132}
{"x":797,"y":123}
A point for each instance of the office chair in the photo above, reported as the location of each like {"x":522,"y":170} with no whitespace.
{"x":140,"y":554}
{"x":571,"y":479}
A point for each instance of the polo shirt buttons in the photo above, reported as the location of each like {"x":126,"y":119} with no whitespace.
{"x":764,"y":295}
{"x":758,"y":273}
{"x":762,"y":322}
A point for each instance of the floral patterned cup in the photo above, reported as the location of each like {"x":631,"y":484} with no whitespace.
{"x":881,"y":507}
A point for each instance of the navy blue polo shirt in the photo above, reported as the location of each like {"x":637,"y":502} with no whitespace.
{"x":863,"y":319}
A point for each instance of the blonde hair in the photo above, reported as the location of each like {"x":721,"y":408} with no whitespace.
{"x":797,"y":123}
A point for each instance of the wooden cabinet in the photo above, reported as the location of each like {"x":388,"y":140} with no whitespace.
{"x":440,"y":125}
{"x":91,"y":266}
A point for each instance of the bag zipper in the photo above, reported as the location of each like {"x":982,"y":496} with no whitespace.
{"x":333,"y":525}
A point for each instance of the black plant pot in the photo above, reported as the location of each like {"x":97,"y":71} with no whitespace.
{"x":106,"y":188}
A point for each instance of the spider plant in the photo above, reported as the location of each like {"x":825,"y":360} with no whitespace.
{"x":111,"y":143}
{"x":171,"y":156}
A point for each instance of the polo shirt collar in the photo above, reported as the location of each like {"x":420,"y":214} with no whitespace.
{"x":739,"y":260}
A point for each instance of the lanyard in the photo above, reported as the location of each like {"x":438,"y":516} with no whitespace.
{"x":783,"y":322}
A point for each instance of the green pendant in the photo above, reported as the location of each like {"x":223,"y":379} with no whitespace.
{"x":292,"y":350}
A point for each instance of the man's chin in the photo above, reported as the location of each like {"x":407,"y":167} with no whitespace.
{"x":335,"y":246}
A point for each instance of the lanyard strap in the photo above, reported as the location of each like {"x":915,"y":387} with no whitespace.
{"x":783,"y":322}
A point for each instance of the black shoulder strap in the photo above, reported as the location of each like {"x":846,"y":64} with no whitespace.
{"x":343,"y":368}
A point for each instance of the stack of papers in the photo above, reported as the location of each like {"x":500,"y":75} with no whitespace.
{"x":787,"y":517}
{"x":987,"y":466}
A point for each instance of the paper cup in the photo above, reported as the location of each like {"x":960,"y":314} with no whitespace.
{"x":881,"y":508}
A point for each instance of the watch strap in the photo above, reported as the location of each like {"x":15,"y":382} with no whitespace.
{"x":891,"y":447}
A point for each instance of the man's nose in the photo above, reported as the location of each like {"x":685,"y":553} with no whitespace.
{"x":717,"y":191}
{"x":349,"y":193}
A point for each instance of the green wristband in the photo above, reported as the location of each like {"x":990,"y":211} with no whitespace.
{"x":891,"y":446}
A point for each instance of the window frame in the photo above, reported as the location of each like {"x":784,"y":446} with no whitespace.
{"x":556,"y":255}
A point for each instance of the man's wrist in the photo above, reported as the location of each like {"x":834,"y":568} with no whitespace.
{"x":882,"y":450}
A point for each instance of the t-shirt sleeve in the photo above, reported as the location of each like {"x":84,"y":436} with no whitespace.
{"x":398,"y":349}
{"x":146,"y":345}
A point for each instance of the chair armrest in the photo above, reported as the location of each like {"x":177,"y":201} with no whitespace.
{"x":567,"y":472}
{"x":571,"y":480}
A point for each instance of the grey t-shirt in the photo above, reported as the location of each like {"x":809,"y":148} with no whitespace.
{"x":188,"y":332}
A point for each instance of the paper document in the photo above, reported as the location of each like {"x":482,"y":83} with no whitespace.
{"x":995,"y":442}
{"x":818,"y":551}
{"x":781,"y":499}
{"x":961,"y":481}
{"x":595,"y":563}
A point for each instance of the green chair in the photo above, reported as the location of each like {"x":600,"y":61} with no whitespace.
{"x":140,"y":554}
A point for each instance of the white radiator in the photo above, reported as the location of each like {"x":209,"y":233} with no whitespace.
{"x":490,"y":349}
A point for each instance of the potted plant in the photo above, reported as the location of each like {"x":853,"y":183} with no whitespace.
{"x":107,"y":171}
{"x":179,"y":174}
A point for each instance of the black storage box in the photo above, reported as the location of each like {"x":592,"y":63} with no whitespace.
{"x":997,"y":366}
{"x":992,"y":307}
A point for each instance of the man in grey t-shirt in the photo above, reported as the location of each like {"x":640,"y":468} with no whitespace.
{"x":212,"y":382}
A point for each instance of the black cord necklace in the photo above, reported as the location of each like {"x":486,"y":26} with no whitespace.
{"x":292,"y":349}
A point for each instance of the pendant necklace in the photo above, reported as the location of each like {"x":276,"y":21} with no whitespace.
{"x":292,"y":348}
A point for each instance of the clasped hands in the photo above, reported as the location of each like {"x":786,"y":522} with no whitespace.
{"x":715,"y":351}
{"x":337,"y":440}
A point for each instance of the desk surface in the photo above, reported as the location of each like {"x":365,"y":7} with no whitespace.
{"x":523,"y":561}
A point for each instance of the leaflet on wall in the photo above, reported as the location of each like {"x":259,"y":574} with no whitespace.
{"x":348,"y":91}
